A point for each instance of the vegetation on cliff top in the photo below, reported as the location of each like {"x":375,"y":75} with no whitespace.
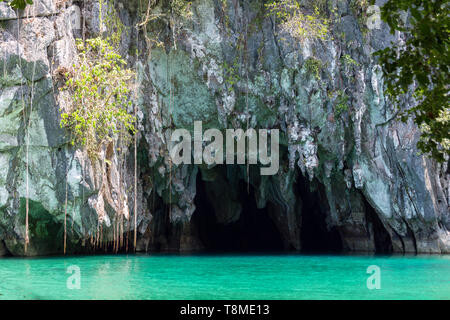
{"x":298,"y":24}
{"x":420,"y":65}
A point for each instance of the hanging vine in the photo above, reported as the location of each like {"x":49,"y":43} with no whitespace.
{"x":97,"y":117}
{"x":27,"y":121}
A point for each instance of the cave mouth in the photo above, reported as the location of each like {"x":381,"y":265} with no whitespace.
{"x":256,"y":231}
{"x":253,"y":232}
{"x":316,"y":236}
{"x":381,"y":237}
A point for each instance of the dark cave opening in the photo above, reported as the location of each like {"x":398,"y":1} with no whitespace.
{"x":4,"y":252}
{"x":254,"y":231}
{"x":315,"y":235}
{"x":382,"y":238}
{"x":273,"y":229}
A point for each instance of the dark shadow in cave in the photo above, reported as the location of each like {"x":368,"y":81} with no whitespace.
{"x":315,"y":235}
{"x":253,"y":232}
{"x":4,"y":252}
{"x":382,"y":238}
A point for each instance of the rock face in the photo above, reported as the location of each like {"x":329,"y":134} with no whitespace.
{"x":349,"y":179}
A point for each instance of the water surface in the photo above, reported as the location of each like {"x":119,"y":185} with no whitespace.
{"x":226,"y":277}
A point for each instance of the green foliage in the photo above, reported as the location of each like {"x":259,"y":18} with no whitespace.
{"x":7,"y":80}
{"x":314,"y":67}
{"x":166,"y":10}
{"x":225,"y":15}
{"x":421,"y":65}
{"x":300,"y":25}
{"x":359,"y":10}
{"x":231,"y":73}
{"x":181,"y":8}
{"x":172,"y":13}
{"x":349,"y":61}
{"x":348,"y":65}
{"x":18,"y":4}
{"x":114,"y":26}
{"x":100,"y":88}
{"x":341,"y":103}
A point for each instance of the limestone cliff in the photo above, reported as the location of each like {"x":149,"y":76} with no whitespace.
{"x":350,"y":177}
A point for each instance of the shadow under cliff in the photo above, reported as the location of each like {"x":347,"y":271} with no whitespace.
{"x":236,"y":223}
{"x":252,"y":231}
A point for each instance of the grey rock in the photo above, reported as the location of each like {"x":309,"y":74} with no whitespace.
{"x":6,"y":12}
{"x":361,"y":177}
{"x":41,"y":8}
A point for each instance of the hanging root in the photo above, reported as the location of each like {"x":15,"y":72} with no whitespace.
{"x":135,"y":192}
{"x":27,"y":125}
{"x":65,"y":224}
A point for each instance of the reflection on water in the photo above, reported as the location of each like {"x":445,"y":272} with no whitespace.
{"x":226,"y":277}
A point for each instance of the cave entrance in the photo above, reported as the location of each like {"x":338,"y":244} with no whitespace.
{"x":315,"y":234}
{"x":381,"y":237}
{"x":253,"y":231}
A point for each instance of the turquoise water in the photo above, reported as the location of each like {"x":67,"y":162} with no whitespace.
{"x":226,"y":277}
